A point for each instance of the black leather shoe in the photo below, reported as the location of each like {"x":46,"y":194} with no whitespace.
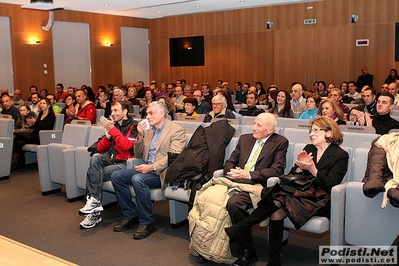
{"x":200,"y":259}
{"x":247,"y":258}
{"x":144,"y":231}
{"x":126,"y":224}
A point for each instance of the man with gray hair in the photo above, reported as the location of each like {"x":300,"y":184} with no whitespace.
{"x":219,"y":109}
{"x":119,"y":95}
{"x":155,"y":138}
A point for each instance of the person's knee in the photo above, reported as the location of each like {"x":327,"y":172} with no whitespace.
{"x":231,"y":205}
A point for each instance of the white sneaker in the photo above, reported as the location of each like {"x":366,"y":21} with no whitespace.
{"x":91,"y":220}
{"x":92,"y":205}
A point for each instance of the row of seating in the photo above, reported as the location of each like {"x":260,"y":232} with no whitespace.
{"x":6,"y":145}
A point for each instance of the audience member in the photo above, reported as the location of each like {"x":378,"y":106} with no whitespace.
{"x":336,"y":94}
{"x":43,"y":93}
{"x":369,"y":102}
{"x":357,"y":117}
{"x":330,"y":86}
{"x":70,"y":102}
{"x":112,"y":151}
{"x":219,"y":109}
{"x":392,"y":77}
{"x":86,"y":110}
{"x":241,"y":93}
{"x":393,"y":89}
{"x":149,"y":97}
{"x":203,"y":107}
{"x":352,"y":94}
{"x":45,"y":121}
{"x":312,"y":102}
{"x":385,"y":88}
{"x":35,"y":102}
{"x":17,"y":100}
{"x":169,"y":106}
{"x":8,"y":106}
{"x":259,"y":89}
{"x":298,"y":103}
{"x":152,"y":146}
{"x":321,"y":89}
{"x":21,"y":123}
{"x":245,"y":164}
{"x":329,"y":108}
{"x":344,"y":88}
{"x":227,"y":96}
{"x":170,"y":89}
{"x":178,"y":99}
{"x":104,"y":102}
{"x":251,"y":109}
{"x":365,"y":78}
{"x":60,"y":94}
{"x":72,"y":90}
{"x":271,"y":100}
{"x":140,"y":89}
{"x":190,"y":106}
{"x":206,"y":91}
{"x":324,"y":161}
{"x":32,"y":89}
{"x":382,"y":121}
{"x":53,"y":101}
{"x":119,"y":95}
{"x":283,"y":105}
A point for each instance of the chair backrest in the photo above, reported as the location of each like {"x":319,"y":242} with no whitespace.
{"x":196,"y":119}
{"x":356,"y":140}
{"x":6,"y":127}
{"x":4,"y":116}
{"x":80,"y":122}
{"x":189,"y":127}
{"x":59,"y":121}
{"x":293,"y":122}
{"x":230,"y":148}
{"x":247,"y":120}
{"x":76,"y":135}
{"x":297,"y":114}
{"x":136,"y":109}
{"x":95,"y":133}
{"x":295,"y":135}
{"x":134,"y":115}
{"x":395,"y":112}
{"x":232,"y":121}
{"x":99,"y":114}
{"x":359,"y":164}
{"x":357,"y":129}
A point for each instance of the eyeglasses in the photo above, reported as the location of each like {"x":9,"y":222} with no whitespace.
{"x":316,"y":130}
{"x":216,"y":103}
{"x":197,"y":95}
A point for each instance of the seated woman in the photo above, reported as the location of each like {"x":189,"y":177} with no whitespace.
{"x":190,"y":106}
{"x":169,"y":105}
{"x":149,"y":97}
{"x":70,"y":102}
{"x":283,"y":105}
{"x":44,"y":121}
{"x":219,"y":109}
{"x":329,"y":108}
{"x":325,"y":163}
{"x":357,"y":117}
{"x":312,"y":103}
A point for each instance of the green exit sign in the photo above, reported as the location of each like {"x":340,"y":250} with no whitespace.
{"x":309,"y":21}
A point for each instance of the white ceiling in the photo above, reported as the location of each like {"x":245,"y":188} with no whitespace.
{"x":151,"y":9}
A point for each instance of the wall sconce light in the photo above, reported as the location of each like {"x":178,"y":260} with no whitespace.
{"x":109,"y":44}
{"x":33,"y":42}
{"x":354,"y":18}
{"x":269,"y":25}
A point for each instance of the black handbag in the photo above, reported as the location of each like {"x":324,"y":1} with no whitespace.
{"x":298,"y":181}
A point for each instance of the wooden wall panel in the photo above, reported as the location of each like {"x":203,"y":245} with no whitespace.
{"x":254,"y":19}
{"x":255,"y":56}
{"x":378,"y":57}
{"x":374,"y":11}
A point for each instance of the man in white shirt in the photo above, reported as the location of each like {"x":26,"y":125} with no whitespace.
{"x":393,"y":89}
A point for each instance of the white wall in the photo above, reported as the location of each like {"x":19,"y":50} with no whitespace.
{"x":135,"y":55}
{"x":72,"y":58}
{"x":6,"y":66}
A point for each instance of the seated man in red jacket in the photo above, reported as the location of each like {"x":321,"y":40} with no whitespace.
{"x":86,"y":110}
{"x":113,"y":149}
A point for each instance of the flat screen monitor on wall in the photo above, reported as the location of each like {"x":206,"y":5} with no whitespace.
{"x":186,"y":51}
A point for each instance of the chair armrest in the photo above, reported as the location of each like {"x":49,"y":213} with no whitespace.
{"x":271,"y":181}
{"x":133,"y":162}
{"x":218,"y":173}
{"x":337,"y":219}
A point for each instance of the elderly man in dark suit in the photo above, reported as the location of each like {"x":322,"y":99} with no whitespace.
{"x":244,"y":163}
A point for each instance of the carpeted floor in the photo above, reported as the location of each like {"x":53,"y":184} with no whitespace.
{"x":51,"y":224}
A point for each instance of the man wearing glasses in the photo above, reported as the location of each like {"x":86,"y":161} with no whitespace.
{"x":219,"y":109}
{"x":203,"y":107}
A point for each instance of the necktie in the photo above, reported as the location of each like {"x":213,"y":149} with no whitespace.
{"x":252,"y":161}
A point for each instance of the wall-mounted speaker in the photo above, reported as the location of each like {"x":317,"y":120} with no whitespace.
{"x":269,"y":25}
{"x":354,"y":18}
{"x":50,"y":21}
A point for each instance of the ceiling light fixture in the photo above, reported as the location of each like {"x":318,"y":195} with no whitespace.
{"x":42,"y":5}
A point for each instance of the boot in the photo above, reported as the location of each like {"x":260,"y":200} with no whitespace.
{"x":259,"y":214}
{"x":14,"y":160}
{"x":276,"y":230}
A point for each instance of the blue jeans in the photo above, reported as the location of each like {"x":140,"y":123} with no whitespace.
{"x":100,"y":170}
{"x":142,"y":183}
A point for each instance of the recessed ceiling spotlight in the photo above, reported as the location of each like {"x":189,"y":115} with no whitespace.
{"x":106,"y":4}
{"x":198,"y":7}
{"x":242,"y":1}
{"x":159,"y":12}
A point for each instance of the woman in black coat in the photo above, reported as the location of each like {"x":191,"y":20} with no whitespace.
{"x":325,"y":163}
